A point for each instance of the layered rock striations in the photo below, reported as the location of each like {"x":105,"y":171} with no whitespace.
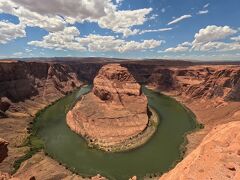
{"x":212,"y":92}
{"x":114,"y":113}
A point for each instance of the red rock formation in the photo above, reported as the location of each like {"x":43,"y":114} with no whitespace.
{"x":29,"y":85}
{"x":217,"y":157}
{"x":113,"y":112}
{"x":3,"y":149}
{"x":223,"y":83}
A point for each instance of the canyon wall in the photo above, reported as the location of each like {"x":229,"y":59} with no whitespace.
{"x":212,"y":92}
{"x":23,"y":84}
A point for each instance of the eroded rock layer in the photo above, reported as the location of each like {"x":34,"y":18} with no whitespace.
{"x":114,"y":112}
{"x":217,"y":157}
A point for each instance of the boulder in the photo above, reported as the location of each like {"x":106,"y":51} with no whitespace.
{"x":3,"y":149}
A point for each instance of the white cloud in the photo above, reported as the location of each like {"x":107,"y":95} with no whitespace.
{"x":71,"y":9}
{"x":180,"y":48}
{"x":18,"y":54}
{"x":53,"y":15}
{"x":155,"y":30}
{"x":10,"y":31}
{"x":119,"y":1}
{"x":206,"y":5}
{"x":213,"y":33}
{"x":163,"y":10}
{"x":31,"y":18}
{"x":203,"y":12}
{"x":237,"y":38}
{"x":187,"y":44}
{"x":122,"y":21}
{"x":207,"y":39}
{"x":218,"y":46}
{"x":69,"y":39}
{"x":60,"y":40}
{"x":180,"y":19}
{"x":28,"y":50}
{"x":133,"y":45}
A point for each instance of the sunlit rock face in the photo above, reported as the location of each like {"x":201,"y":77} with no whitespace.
{"x":217,"y":157}
{"x":115,"y":110}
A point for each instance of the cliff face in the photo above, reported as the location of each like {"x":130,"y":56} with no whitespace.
{"x":27,"y":87}
{"x":20,"y":81}
{"x":113,"y":112}
{"x":221,"y":83}
{"x":217,"y":157}
{"x":194,"y":82}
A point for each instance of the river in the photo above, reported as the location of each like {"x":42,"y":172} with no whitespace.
{"x":156,"y":156}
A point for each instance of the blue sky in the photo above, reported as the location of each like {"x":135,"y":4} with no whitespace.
{"x":168,"y":29}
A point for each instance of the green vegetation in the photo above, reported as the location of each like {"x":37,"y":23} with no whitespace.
{"x":34,"y":145}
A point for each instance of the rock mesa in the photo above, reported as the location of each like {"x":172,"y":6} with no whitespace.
{"x":113,"y":113}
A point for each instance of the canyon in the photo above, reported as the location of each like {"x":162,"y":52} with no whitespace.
{"x":211,"y":91}
{"x":114,"y":114}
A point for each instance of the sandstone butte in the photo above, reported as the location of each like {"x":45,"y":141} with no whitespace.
{"x":114,"y":114}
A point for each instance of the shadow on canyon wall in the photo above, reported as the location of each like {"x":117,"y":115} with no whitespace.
{"x":49,"y":80}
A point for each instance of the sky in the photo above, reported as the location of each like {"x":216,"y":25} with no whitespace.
{"x":139,"y":29}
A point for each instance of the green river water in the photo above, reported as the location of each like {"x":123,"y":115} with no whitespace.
{"x":156,"y":156}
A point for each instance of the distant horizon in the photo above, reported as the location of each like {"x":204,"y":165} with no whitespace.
{"x":124,"y":59}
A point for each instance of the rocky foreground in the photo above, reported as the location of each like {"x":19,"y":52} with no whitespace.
{"x":217,"y":157}
{"x":211,"y":91}
{"x":3,"y":149}
{"x":114,"y":114}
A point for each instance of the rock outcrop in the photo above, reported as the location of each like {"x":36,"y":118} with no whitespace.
{"x":217,"y":157}
{"x":3,"y":149}
{"x":113,"y":113}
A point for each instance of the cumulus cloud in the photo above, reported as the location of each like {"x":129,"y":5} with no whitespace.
{"x":179,"y":19}
{"x":237,"y":38}
{"x":207,"y":39}
{"x":71,"y":9}
{"x":31,"y":18}
{"x":133,"y":45}
{"x":10,"y":31}
{"x":60,"y":40}
{"x":155,"y":30}
{"x":122,"y":21}
{"x":69,"y":39}
{"x":213,"y":33}
{"x":180,"y":48}
{"x":54,"y":15}
{"x":218,"y":46}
